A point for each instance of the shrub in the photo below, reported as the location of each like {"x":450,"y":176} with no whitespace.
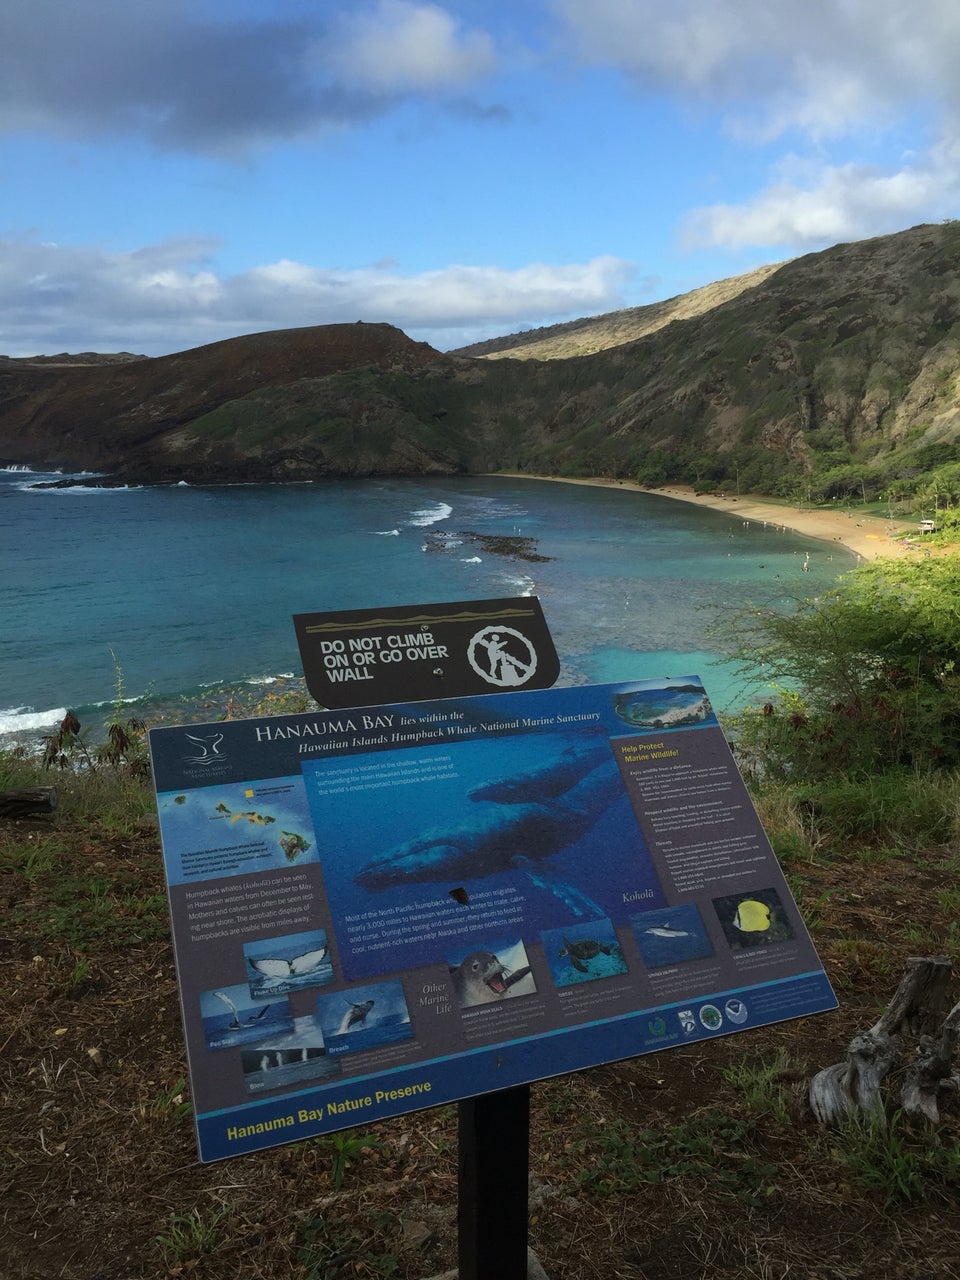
{"x":866,"y":677}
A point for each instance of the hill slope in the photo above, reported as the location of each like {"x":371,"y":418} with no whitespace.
{"x":598,"y":333}
{"x":844,"y":362}
{"x":73,"y":414}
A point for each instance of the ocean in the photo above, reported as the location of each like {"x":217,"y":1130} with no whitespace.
{"x":169,"y":595}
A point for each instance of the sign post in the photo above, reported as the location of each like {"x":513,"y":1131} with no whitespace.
{"x":492,"y":1205}
{"x":447,"y":650}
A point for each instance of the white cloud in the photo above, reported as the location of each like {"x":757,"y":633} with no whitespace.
{"x":401,"y":47}
{"x":166,"y":297}
{"x":821,"y":205}
{"x":826,"y":67}
{"x":819,"y":74}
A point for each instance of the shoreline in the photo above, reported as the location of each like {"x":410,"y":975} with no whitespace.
{"x":865,"y":537}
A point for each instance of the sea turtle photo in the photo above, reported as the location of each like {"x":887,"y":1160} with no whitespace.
{"x":580,"y":953}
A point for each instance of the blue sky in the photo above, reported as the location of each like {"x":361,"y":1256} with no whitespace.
{"x":174,"y":172}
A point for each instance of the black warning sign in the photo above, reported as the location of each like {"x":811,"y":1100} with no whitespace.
{"x":412,"y":653}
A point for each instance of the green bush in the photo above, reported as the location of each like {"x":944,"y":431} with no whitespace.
{"x":897,"y":808}
{"x":866,"y":676}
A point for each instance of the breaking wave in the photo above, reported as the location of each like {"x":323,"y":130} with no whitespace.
{"x":431,"y":515}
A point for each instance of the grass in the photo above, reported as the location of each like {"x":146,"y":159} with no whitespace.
{"x":189,"y":1236}
{"x":879,"y":1154}
{"x":712,"y":1145}
{"x":345,"y":1148}
{"x":333,"y":1250}
{"x":760,"y":1085}
{"x":907,"y":810}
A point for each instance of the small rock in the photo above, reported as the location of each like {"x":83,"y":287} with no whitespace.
{"x":415,"y":1234}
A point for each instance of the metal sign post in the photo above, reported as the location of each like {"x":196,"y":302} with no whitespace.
{"x":494,"y":1159}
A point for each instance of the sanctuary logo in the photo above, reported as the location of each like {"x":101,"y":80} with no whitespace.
{"x":206,"y":749}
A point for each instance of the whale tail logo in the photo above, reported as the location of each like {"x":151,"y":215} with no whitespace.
{"x":206,"y":749}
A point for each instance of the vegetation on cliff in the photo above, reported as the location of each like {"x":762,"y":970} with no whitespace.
{"x":868,"y":677}
{"x":835,"y":374}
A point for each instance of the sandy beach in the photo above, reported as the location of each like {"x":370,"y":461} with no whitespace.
{"x":867,"y":537}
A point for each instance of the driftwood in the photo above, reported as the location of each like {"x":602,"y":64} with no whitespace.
{"x":29,"y":802}
{"x":916,"y":1009}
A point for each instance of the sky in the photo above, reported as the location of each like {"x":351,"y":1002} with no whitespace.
{"x":176,"y":172}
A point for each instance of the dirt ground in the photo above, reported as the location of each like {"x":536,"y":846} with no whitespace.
{"x":704,"y":1161}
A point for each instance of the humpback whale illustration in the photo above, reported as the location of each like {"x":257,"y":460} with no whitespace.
{"x":546,"y":783}
{"x":278,"y":969}
{"x":538,"y":815}
{"x":236,"y":1024}
{"x":356,"y":1015}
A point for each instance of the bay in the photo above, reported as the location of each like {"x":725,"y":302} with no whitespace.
{"x":164,"y":595}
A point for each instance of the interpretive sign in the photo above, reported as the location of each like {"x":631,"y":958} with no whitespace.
{"x":413,"y":652}
{"x":384,"y":908}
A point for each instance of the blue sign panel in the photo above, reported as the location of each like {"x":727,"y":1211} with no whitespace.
{"x":384,"y":908}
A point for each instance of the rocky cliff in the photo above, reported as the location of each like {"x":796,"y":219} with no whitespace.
{"x":842,"y":362}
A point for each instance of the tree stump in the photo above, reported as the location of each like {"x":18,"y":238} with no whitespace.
{"x":28,"y":802}
{"x":856,"y":1085}
{"x":931,"y":1073}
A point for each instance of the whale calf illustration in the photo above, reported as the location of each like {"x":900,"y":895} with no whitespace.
{"x":531,"y":826}
{"x":545,"y":783}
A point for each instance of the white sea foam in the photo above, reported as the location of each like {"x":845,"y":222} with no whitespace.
{"x":430,"y":515}
{"x":472,"y":560}
{"x":115,"y":702}
{"x":222,"y":683}
{"x":18,"y":466}
{"x":89,"y":489}
{"x":25,"y":719}
{"x":524,"y":586}
{"x":387,"y":533}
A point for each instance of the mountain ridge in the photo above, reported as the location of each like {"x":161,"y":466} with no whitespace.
{"x":841,"y":365}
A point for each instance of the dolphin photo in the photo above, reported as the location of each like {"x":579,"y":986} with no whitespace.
{"x":671,"y":935}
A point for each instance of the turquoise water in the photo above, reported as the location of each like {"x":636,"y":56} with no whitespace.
{"x":183,"y":589}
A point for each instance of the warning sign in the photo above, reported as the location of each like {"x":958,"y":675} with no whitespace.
{"x":415,"y":652}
